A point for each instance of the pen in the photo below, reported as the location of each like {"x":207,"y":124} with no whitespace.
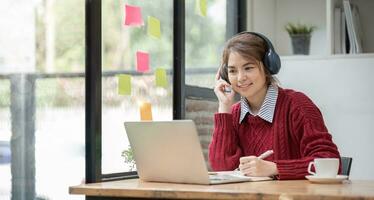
{"x":262,"y":156}
{"x":266,"y":154}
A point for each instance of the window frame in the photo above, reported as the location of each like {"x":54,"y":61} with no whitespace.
{"x":93,"y":78}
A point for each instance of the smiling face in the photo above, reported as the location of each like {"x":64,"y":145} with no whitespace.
{"x":247,"y":77}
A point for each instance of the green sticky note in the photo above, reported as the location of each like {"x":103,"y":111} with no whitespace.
{"x":154,"y":27}
{"x":161,"y":79}
{"x":201,"y":7}
{"x":124,"y":84}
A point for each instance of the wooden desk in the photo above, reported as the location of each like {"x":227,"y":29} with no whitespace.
{"x":300,"y":189}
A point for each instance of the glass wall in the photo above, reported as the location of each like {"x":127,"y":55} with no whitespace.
{"x":137,"y":46}
{"x":42,"y":102}
{"x":42,"y":119}
{"x":5,"y":135}
{"x":205,"y":38}
{"x":130,"y":35}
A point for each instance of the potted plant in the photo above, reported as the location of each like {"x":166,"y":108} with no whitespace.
{"x":128,"y":155}
{"x":300,"y":37}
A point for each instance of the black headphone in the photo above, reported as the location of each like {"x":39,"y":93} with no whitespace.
{"x":271,"y":59}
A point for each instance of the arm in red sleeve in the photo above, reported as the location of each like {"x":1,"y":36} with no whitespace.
{"x":308,"y":128}
{"x":224,"y":151}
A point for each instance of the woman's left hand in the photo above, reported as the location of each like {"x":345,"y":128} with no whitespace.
{"x":253,"y":166}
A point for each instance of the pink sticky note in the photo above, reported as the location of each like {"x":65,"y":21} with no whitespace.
{"x":142,"y":61}
{"x":133,"y":16}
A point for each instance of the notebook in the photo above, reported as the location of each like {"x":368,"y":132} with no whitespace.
{"x":170,"y":151}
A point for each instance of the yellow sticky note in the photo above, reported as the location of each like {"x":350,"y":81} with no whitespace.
{"x":154,"y":27}
{"x":124,"y":84}
{"x":161,"y":79}
{"x":145,"y":111}
{"x":200,"y":7}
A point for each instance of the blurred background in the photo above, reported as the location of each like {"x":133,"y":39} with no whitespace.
{"x":42,"y":87}
{"x":42,"y":80}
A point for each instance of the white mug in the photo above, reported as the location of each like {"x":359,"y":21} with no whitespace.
{"x":324,"y":167}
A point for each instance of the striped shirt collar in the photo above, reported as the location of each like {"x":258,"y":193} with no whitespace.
{"x":267,"y":108}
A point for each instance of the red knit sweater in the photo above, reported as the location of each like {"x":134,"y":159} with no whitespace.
{"x":297,"y":136}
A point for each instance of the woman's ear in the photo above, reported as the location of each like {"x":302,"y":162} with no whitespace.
{"x":223,"y":73}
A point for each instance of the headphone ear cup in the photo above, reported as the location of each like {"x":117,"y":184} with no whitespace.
{"x":272,"y":62}
{"x":271,"y":59}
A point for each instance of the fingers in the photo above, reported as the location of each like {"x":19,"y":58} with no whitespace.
{"x":218,"y":74}
{"x":226,"y":99}
{"x":248,"y":165}
{"x":221,"y":81}
{"x":248,"y":172}
{"x":220,"y":86}
{"x":248,"y":169}
{"x":253,"y":166}
{"x":246,"y":159}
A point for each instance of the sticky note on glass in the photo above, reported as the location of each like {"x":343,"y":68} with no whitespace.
{"x":161,"y":79}
{"x":124,"y":84}
{"x":133,"y":16}
{"x":154,"y":27}
{"x":145,"y":111}
{"x":142,"y":61}
{"x":200,"y":7}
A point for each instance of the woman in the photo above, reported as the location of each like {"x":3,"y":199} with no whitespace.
{"x":267,"y":117}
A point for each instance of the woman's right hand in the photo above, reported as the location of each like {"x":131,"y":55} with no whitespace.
{"x":225,"y":98}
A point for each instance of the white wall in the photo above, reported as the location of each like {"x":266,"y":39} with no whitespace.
{"x":262,"y":17}
{"x":304,"y":12}
{"x":343,"y":89}
{"x":270,"y":17}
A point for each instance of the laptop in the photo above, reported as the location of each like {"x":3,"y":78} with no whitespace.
{"x":170,"y":151}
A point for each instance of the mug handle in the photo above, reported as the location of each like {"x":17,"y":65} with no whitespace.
{"x":310,"y":168}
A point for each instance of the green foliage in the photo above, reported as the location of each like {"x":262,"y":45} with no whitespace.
{"x":294,"y":29}
{"x":129,"y":157}
{"x":205,"y":36}
{"x":69,"y":34}
{"x":70,"y":29}
{"x":204,"y":40}
{"x":59,"y":92}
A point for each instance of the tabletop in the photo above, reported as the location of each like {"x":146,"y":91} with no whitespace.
{"x":293,"y":189}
